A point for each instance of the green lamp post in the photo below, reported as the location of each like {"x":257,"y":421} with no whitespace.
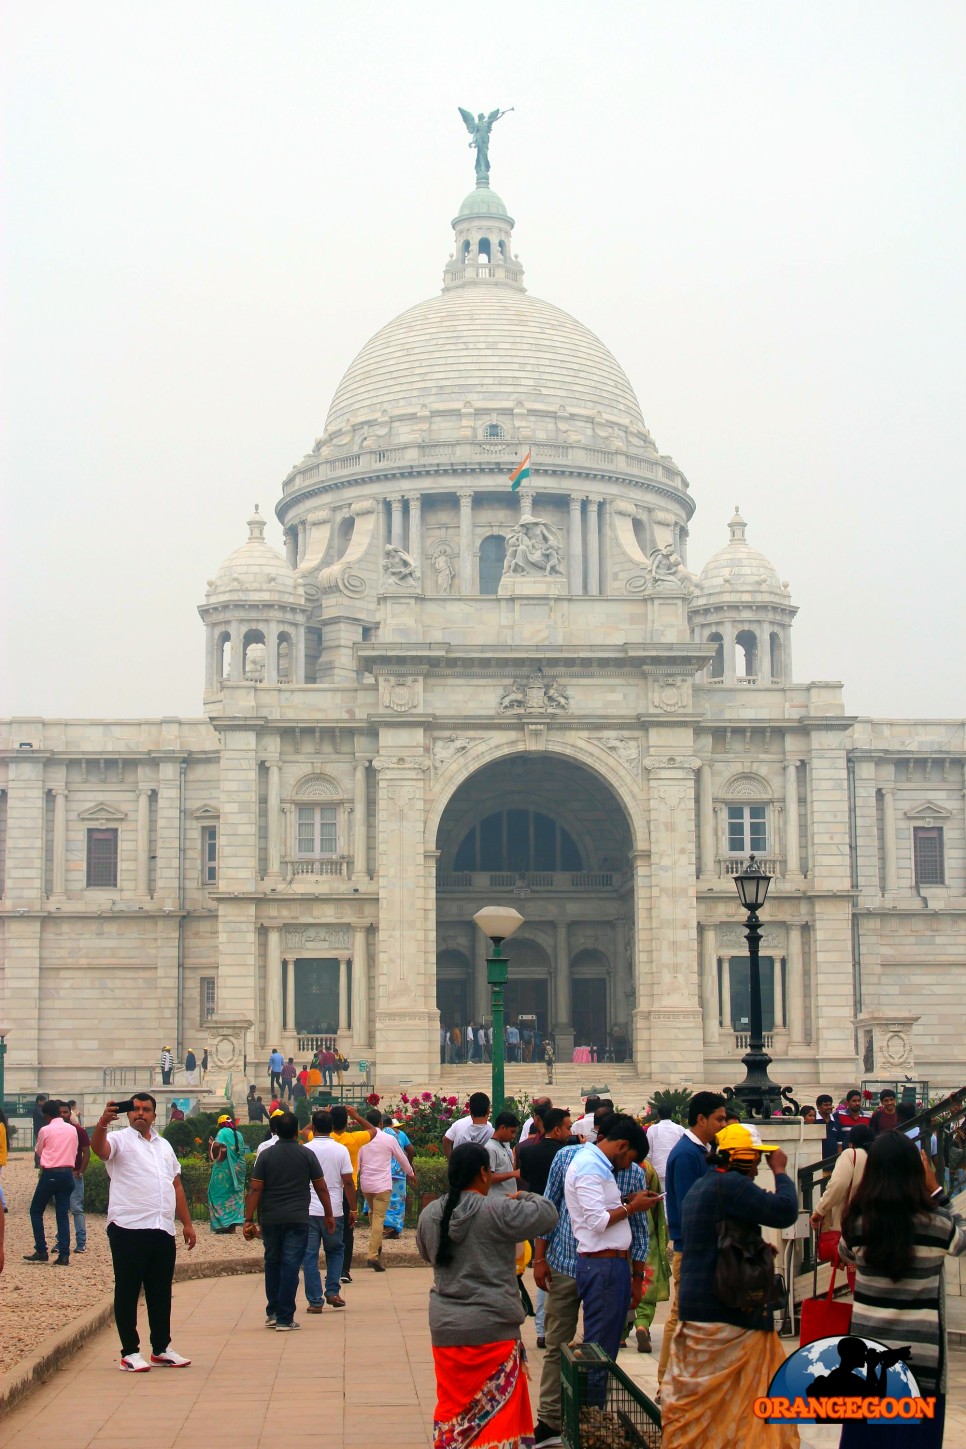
{"x":499,"y":923}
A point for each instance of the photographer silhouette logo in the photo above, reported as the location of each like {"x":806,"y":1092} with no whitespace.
{"x":835,"y":1380}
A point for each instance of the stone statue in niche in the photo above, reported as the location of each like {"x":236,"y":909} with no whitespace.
{"x":398,"y":569}
{"x":442,"y":560}
{"x":533,"y":548}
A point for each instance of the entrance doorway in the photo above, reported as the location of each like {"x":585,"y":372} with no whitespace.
{"x":527,"y":996}
{"x":589,"y":996}
{"x":316,"y":996}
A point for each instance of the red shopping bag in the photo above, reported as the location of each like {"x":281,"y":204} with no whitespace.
{"x":827,"y":1248}
{"x":823,"y":1317}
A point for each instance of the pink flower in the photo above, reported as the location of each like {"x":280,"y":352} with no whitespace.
{"x":427,"y":1096}
{"x":451,"y":1101}
{"x":404,"y":1098}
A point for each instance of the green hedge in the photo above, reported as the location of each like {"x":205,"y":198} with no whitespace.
{"x":196,"y":1172}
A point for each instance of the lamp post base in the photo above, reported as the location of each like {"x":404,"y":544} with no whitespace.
{"x":758,"y":1096}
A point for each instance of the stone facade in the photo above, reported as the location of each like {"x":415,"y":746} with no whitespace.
{"x":447,"y":693}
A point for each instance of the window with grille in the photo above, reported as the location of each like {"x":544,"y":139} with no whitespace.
{"x":209,"y":855}
{"x":927,"y":847}
{"x":318,"y":833}
{"x":102,"y":857}
{"x":747,"y":829}
{"x":207,"y":998}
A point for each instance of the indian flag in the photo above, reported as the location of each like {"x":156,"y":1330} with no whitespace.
{"x":520,"y":473}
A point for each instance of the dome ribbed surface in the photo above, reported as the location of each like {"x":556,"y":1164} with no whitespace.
{"x":488,"y":344}
{"x":257,"y":569}
{"x":738,"y":567}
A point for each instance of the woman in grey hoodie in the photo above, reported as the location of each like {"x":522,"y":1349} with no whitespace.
{"x":475,"y":1312}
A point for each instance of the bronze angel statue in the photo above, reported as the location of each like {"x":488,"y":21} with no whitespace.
{"x":479,"y":128}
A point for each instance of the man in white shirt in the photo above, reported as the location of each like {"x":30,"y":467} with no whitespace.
{"x":375,"y":1181}
{"x":602,"y":1232}
{"x":474,"y":1128}
{"x":661,"y":1137}
{"x":145,"y":1197}
{"x":584,"y":1126}
{"x":336,"y":1167}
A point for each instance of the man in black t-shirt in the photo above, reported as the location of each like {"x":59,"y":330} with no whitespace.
{"x":537,"y":1153}
{"x":282,"y":1181}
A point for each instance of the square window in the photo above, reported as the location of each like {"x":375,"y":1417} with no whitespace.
{"x":102,"y":858}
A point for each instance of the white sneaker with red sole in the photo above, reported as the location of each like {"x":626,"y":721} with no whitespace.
{"x":169,"y":1359}
{"x":133,"y":1363}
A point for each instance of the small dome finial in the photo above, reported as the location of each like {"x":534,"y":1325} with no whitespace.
{"x":737,"y":527}
{"x":256,"y":525}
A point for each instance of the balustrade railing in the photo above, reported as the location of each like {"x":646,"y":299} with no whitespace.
{"x":316,"y":1042}
{"x":338,"y":865}
{"x":743,"y":1041}
{"x":773,"y":865}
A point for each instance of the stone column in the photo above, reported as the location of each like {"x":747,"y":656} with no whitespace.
{"x":273,"y":987}
{"x":360,"y":988}
{"x":143,"y":886}
{"x":273,"y":823}
{"x":562,"y":1019}
{"x":727,"y":632}
{"x":593,"y":546}
{"x":793,"y":858}
{"x":289,"y":966}
{"x":709,"y":986}
{"x":795,"y":985}
{"x":780,"y":1011}
{"x":889,"y":838}
{"x":526,"y":501}
{"x":360,"y":832}
{"x":303,"y":528}
{"x":726,"y":993}
{"x":343,"y":994}
{"x":706,"y":819}
{"x":619,"y":974}
{"x":299,"y":654}
{"x":271,"y":653}
{"x":396,"y":531}
{"x":466,"y":542}
{"x":291,"y":548}
{"x":416,"y":532}
{"x":576,"y":569}
{"x":481,"y":990}
{"x":59,"y":874}
{"x":236,"y":664}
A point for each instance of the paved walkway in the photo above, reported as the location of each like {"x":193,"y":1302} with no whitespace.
{"x":357,"y":1377}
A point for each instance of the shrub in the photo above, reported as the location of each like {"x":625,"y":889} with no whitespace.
{"x":431,"y":1177}
{"x":190,"y":1137}
{"x":254,"y":1134}
{"x":96,"y":1185}
{"x":677,"y":1098}
{"x":425,"y":1117}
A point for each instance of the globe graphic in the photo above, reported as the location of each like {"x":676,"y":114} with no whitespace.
{"x":799,"y":1372}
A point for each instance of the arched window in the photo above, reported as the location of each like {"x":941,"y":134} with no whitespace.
{"x":223,"y":657}
{"x":494,"y":430}
{"x":716,"y":668}
{"x":483,"y":250}
{"x":344,"y":536}
{"x":518,"y":840}
{"x":254,"y":655}
{"x":746,"y":654}
{"x":640,"y":533}
{"x":492,"y":556}
{"x":777,"y":658}
{"x":465,"y":253}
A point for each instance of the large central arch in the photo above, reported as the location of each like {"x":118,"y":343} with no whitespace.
{"x":552,"y":832}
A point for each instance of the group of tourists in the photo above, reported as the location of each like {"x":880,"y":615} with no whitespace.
{"x":286,"y":1080}
{"x":474,"y":1042}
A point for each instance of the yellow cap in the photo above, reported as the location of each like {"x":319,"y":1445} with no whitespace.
{"x":223,"y":1118}
{"x":738,"y":1141}
{"x":279,"y":1112}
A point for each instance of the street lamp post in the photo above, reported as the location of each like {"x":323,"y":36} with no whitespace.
{"x":758,"y":1095}
{"x":499,"y":923}
{"x":4,"y":1033}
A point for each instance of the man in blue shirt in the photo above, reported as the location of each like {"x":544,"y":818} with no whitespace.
{"x":275,"y":1064}
{"x":825,"y":1106}
{"x":686,"y":1165}
{"x":555,"y":1271}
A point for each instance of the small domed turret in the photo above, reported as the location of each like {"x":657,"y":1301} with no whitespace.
{"x":255,"y":613}
{"x":742,"y":607}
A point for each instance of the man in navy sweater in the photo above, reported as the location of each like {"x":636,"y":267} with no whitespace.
{"x":686,"y":1165}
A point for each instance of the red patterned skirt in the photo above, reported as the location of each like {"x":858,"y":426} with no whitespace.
{"x":481,"y":1397}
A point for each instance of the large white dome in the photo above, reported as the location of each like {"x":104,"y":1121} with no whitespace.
{"x":491,"y":345}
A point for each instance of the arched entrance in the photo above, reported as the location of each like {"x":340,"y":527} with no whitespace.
{"x":545,"y":834}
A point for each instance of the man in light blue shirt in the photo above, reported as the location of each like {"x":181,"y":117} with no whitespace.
{"x":275,"y":1064}
{"x":513,"y":1043}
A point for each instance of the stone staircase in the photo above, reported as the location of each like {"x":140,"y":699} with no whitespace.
{"x":572,"y":1081}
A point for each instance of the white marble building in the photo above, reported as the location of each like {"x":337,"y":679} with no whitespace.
{"x":448,"y":693}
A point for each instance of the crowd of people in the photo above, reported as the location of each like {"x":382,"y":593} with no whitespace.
{"x":618,"y":1216}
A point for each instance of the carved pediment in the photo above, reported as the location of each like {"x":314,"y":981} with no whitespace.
{"x":102,"y":812}
{"x":927,"y":812}
{"x":747,"y":787}
{"x":206,"y":812}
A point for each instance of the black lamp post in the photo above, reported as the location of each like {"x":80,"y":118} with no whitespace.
{"x":758,"y":1095}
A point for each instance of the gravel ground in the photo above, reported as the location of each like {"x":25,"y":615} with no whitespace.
{"x":39,"y":1299}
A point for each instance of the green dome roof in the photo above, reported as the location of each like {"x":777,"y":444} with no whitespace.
{"x":482,"y":202}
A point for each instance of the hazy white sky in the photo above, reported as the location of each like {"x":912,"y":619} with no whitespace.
{"x":209,"y":209}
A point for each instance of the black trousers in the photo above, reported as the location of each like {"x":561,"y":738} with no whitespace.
{"x":143,"y":1258}
{"x":348,"y":1237}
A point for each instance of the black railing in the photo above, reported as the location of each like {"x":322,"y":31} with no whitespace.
{"x":929,"y":1121}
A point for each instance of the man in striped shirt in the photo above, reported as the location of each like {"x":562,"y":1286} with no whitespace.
{"x":555,"y":1271}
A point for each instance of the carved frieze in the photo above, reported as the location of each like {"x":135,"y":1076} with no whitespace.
{"x":536,"y":694}
{"x":401,"y":693}
{"x":333,"y":938}
{"x":625,"y":748}
{"x":669,"y":693}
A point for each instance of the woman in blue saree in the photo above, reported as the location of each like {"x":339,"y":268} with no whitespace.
{"x":396,"y":1212}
